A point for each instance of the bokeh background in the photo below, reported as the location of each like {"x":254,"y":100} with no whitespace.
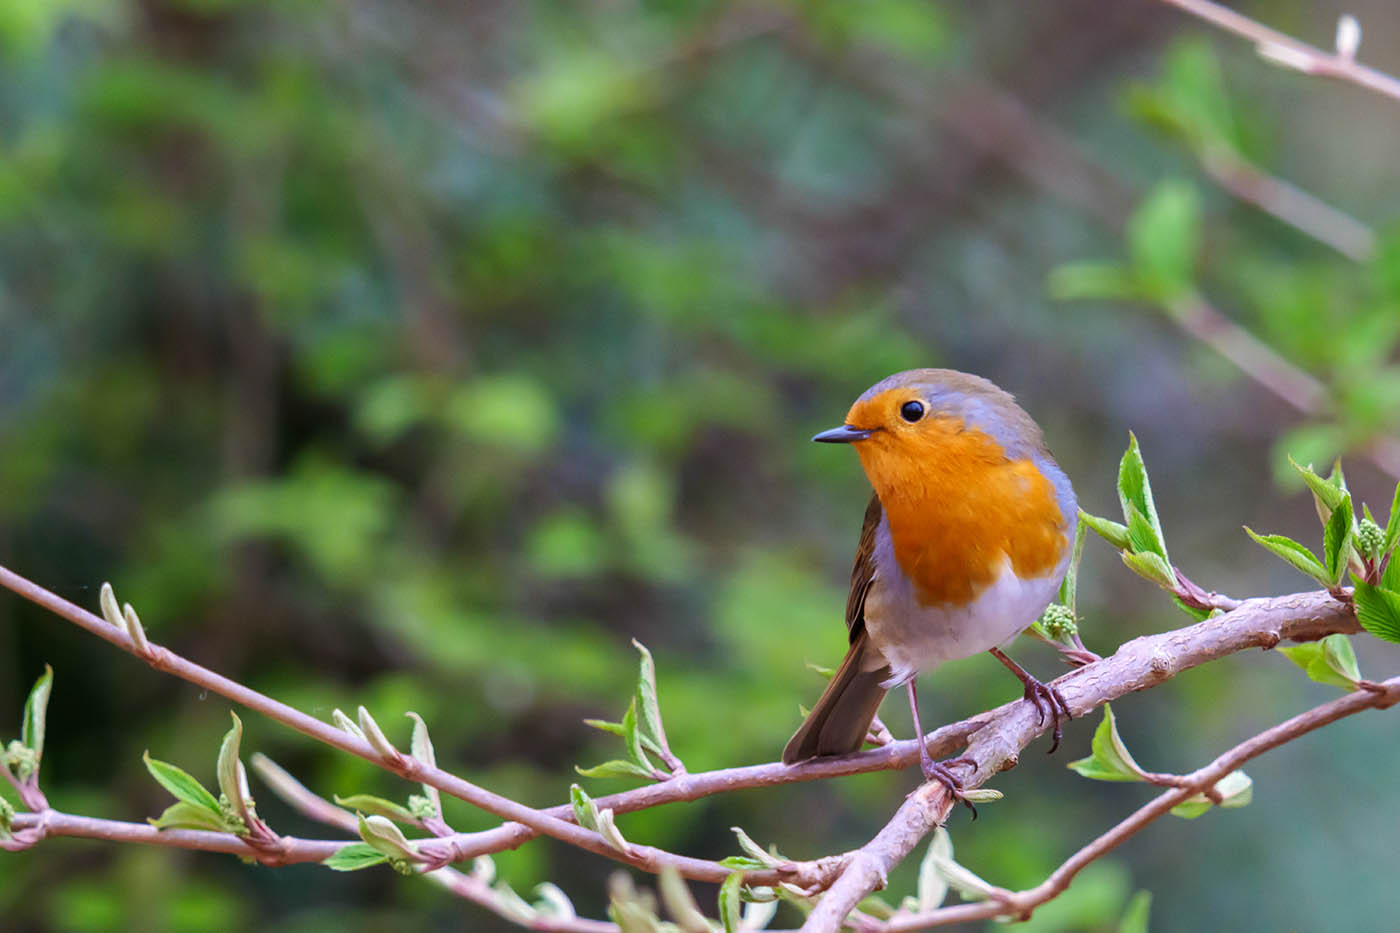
{"x":421,"y":355}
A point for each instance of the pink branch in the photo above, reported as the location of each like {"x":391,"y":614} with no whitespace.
{"x":1020,"y":904}
{"x":1288,"y":51}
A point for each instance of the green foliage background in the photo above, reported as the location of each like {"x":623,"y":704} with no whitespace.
{"x":422,"y":355}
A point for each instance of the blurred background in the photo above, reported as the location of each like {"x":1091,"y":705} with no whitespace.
{"x":421,"y":355}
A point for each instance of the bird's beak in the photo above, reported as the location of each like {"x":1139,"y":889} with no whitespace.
{"x":843,"y":435}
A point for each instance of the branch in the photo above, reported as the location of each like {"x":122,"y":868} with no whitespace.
{"x":1295,"y":386}
{"x":996,"y":122}
{"x":1019,"y":905}
{"x":289,"y":851}
{"x":1284,"y":201}
{"x":993,"y":739}
{"x":557,"y":825}
{"x":1285,"y":50}
{"x":463,"y":884}
{"x":1137,"y":665}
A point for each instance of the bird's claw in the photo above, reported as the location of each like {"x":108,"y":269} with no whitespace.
{"x":1048,"y":701}
{"x":943,"y":773}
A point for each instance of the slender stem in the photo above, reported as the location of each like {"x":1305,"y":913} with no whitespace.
{"x":993,"y":739}
{"x":1020,"y":904}
{"x":1305,"y":58}
{"x":1287,"y":202}
{"x":548,"y":824}
{"x":290,"y":849}
{"x":462,"y":884}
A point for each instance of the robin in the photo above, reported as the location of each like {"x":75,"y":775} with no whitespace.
{"x":965,"y":542}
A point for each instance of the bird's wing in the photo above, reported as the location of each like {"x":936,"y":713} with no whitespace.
{"x":863,"y":572}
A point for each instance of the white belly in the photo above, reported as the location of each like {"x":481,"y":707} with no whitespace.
{"x":915,"y":638}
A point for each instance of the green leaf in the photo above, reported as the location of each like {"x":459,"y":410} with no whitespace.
{"x":368,"y":803}
{"x":1337,"y":652}
{"x":1378,"y":609}
{"x":180,"y":784}
{"x":182,"y":815}
{"x":648,"y":708}
{"x":960,"y":879}
{"x":1392,"y":525}
{"x":1236,"y":790}
{"x":385,"y":836}
{"x":585,"y":810}
{"x":111,"y":611}
{"x":1163,"y":238}
{"x":519,"y":910}
{"x":633,"y":739}
{"x":730,"y":903}
{"x":1110,"y":759}
{"x":933,"y":887}
{"x":1142,"y":537}
{"x":421,"y":746}
{"x":742,"y":863}
{"x":1093,"y":281}
{"x":602,"y":724}
{"x":614,"y":769}
{"x":227,"y":770}
{"x":1136,"y":915}
{"x":1151,"y":566}
{"x":1070,"y":585}
{"x":1112,"y":532}
{"x":1135,"y":492}
{"x":36,"y":709}
{"x":754,"y":850}
{"x":1328,"y":492}
{"x":553,"y":902}
{"x":1336,"y":540}
{"x":1390,"y":577}
{"x":680,"y":904}
{"x":355,"y":856}
{"x":1330,"y":661}
{"x":607,"y":828}
{"x":1293,"y":552}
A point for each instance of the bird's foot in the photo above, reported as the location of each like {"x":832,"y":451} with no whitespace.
{"x":1048,"y":701}
{"x":943,"y":774}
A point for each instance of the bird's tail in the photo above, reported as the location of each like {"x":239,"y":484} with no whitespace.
{"x":839,"y":722}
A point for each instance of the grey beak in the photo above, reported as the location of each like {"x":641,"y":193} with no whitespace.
{"x":843,"y":435}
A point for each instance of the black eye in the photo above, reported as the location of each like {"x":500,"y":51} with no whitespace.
{"x":911,"y":411}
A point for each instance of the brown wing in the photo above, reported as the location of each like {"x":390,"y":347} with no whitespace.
{"x":863,"y":572}
{"x":840,"y":719}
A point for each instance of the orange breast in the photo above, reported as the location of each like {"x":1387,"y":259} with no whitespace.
{"x":958,"y":509}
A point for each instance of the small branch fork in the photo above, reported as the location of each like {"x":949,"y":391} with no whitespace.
{"x":992,"y":741}
{"x":1018,"y":905}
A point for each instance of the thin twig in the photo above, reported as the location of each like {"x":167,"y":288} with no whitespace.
{"x":291,"y":850}
{"x":1152,"y":659}
{"x":1288,"y":51}
{"x":462,"y":884}
{"x":1265,"y":366}
{"x":559,"y":826}
{"x":1284,"y":201}
{"x":1020,"y":904}
{"x":992,"y":739}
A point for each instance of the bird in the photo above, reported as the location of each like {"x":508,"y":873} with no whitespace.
{"x":965,"y":542}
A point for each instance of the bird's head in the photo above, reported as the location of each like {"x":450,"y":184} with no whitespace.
{"x":929,"y":419}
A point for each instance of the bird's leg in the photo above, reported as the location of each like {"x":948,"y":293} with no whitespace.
{"x":1045,"y":698}
{"x":936,"y":770}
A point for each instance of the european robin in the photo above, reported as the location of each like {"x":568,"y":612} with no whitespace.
{"x":965,"y":542}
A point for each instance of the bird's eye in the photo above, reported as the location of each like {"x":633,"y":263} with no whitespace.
{"x":911,"y":411}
